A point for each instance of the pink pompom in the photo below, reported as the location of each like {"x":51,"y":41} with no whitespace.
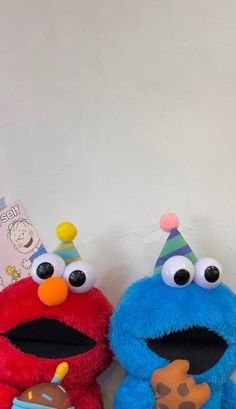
{"x":169,"y":221}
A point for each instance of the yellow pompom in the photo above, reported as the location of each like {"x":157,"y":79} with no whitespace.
{"x":61,"y":370}
{"x":66,"y":231}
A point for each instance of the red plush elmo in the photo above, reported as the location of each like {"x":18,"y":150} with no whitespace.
{"x":53,"y":316}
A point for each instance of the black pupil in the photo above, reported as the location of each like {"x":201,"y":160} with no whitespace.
{"x":77,"y":278}
{"x":212,"y":274}
{"x":45,"y":270}
{"x":182,"y":276}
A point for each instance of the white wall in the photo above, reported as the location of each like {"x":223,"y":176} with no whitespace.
{"x":113,"y":112}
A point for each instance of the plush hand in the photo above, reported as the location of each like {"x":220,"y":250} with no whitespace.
{"x":26,"y":263}
{"x":175,"y":389}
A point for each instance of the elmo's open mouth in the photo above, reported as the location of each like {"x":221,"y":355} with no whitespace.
{"x":49,"y":338}
{"x":201,"y":347}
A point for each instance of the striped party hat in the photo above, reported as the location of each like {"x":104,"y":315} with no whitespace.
{"x":66,"y":233}
{"x":175,"y":244}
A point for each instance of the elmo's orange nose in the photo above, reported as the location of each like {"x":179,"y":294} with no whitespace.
{"x":53,"y":291}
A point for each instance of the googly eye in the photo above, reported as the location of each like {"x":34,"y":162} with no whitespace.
{"x":80,"y":276}
{"x":177,"y":271}
{"x":208,"y":272}
{"x":46,"y":266}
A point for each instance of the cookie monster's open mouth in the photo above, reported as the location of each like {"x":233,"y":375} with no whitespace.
{"x":49,"y":338}
{"x":201,"y":347}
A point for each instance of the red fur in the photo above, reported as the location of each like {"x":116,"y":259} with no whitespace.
{"x":7,"y":394}
{"x":88,"y":312}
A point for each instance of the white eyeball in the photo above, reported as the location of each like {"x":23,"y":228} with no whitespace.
{"x":80,"y":276}
{"x":177,"y":271}
{"x":46,"y":266}
{"x":208,"y":272}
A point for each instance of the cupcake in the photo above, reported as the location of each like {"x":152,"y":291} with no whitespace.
{"x":46,"y":395}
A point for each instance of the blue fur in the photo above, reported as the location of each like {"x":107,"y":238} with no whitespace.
{"x":149,"y":309}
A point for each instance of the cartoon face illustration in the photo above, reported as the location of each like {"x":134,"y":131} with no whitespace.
{"x":23,"y":236}
{"x":185,"y":312}
{"x":59,"y":316}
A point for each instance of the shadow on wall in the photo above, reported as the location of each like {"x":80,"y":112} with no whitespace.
{"x":110,"y":380}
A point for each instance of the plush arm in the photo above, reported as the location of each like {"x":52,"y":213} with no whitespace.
{"x":134,"y":394}
{"x":7,"y":394}
{"x":229,"y":395}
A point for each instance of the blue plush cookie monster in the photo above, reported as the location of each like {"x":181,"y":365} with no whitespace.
{"x":183,"y":313}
